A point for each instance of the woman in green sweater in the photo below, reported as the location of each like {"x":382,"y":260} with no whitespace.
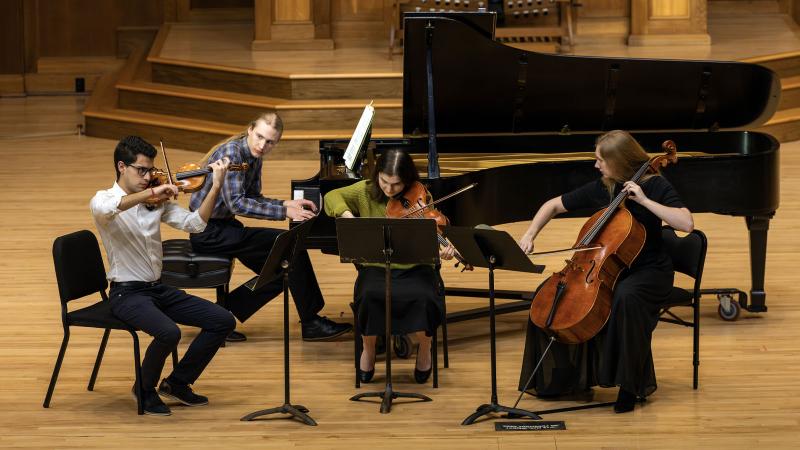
{"x":417,"y":290}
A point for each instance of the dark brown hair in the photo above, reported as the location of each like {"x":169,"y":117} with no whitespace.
{"x":392,"y":162}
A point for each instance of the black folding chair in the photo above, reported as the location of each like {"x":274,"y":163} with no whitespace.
{"x":688,"y":255}
{"x":79,"y":273}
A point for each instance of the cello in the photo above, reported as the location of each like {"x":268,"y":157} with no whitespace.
{"x":574,"y":304}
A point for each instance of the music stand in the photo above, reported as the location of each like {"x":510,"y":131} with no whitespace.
{"x":495,"y":250}
{"x":387,"y":241}
{"x":279,"y":264}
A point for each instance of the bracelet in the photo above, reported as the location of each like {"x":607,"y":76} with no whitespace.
{"x":153,"y":191}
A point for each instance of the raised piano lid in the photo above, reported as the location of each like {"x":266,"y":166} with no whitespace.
{"x":485,"y":87}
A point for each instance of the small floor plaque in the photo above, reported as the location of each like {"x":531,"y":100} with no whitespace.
{"x":530,"y":426}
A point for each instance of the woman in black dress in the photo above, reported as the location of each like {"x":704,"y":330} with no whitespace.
{"x":620,"y":354}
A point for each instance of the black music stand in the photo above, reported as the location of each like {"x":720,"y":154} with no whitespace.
{"x":495,"y":250}
{"x":279,"y":264}
{"x":387,"y":241}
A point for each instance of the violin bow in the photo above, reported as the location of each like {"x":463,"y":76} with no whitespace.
{"x":452,"y":194}
{"x":166,"y":164}
{"x":564,"y":250}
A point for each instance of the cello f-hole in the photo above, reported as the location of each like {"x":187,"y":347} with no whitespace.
{"x":589,"y":273}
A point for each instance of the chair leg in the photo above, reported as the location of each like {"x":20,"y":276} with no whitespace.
{"x":444,"y":338}
{"x":137,"y":365}
{"x":357,"y":344}
{"x":222,"y":292}
{"x":696,"y":343}
{"x":100,"y":352}
{"x":174,"y":358}
{"x":57,"y":368}
{"x":435,"y":359}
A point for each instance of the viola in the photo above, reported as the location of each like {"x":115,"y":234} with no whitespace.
{"x":574,"y":304}
{"x":414,"y":204}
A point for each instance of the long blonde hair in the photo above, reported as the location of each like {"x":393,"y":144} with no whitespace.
{"x":623,"y":155}
{"x":270,"y":118}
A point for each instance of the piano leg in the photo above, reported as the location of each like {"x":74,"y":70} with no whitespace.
{"x":758,"y":226}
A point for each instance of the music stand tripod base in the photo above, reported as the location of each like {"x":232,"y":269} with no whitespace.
{"x":487,"y":409}
{"x":387,"y":395}
{"x":297,"y":411}
{"x":278,"y":265}
{"x":492,"y":249}
{"x":387,"y":241}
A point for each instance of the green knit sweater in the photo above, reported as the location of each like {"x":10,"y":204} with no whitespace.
{"x":356,"y":199}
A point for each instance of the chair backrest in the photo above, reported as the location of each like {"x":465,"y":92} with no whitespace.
{"x":79,"y":265}
{"x":688,"y":253}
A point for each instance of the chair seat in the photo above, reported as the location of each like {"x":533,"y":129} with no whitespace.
{"x":678,"y":297}
{"x":184,"y":268}
{"x":97,"y":316}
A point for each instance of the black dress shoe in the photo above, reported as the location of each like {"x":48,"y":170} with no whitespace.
{"x":421,"y":376}
{"x":151,"y":403}
{"x":182,"y":393}
{"x":235,"y":336}
{"x":323,"y":329}
{"x":365,"y":376}
{"x":626,"y":401}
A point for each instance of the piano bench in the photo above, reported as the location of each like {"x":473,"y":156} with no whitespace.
{"x":183,"y":268}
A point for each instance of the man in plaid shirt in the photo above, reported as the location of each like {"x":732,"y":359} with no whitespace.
{"x":225,"y":235}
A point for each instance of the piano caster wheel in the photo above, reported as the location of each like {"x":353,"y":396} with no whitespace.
{"x":402,"y":346}
{"x":729,"y":308}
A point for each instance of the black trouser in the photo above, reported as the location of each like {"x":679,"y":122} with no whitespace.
{"x":155,"y":310}
{"x":251,"y":246}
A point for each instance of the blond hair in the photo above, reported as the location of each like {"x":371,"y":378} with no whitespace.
{"x":270,"y":118}
{"x":623,"y":155}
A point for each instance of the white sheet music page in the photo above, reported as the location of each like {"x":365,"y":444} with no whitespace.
{"x":351,"y":155}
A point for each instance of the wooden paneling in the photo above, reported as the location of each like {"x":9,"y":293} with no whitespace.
{"x":292,"y":10}
{"x":605,"y":8}
{"x":663,"y":22}
{"x":221,"y":4}
{"x":12,"y":37}
{"x":669,"y":9}
{"x":88,"y":27}
{"x":357,"y":10}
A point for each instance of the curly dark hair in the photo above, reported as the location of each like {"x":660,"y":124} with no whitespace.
{"x":129,"y":147}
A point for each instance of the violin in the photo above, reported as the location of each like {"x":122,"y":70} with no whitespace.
{"x":574,"y":304}
{"x":413,"y":204}
{"x":189,"y":178}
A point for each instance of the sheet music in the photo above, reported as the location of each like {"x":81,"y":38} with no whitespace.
{"x":356,"y":144}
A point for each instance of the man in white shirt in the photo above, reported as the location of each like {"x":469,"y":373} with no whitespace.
{"x":130,"y":227}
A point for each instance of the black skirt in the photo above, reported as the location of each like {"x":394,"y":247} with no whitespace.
{"x":417,"y":300}
{"x":619,"y":355}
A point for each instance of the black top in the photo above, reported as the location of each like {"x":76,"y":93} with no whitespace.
{"x":594,"y":195}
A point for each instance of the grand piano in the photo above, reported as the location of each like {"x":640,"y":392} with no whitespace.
{"x":494,"y":102}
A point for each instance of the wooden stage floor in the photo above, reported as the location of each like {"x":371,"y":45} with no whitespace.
{"x":748,"y":374}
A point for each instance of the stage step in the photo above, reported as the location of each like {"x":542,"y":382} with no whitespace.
{"x":237,"y":108}
{"x":784,"y":125}
{"x":790,"y":93}
{"x":784,"y":64}
{"x":201,"y":135}
{"x":275,"y":84}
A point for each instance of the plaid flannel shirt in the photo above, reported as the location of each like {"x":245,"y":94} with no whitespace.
{"x":241,"y":191}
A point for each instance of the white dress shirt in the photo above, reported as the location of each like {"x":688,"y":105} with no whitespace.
{"x":132,"y":238}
